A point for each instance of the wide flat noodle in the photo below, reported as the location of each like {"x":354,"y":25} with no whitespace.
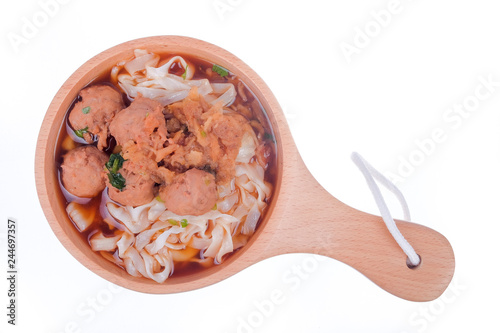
{"x":145,"y":78}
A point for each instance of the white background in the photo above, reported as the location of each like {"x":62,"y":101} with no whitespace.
{"x":380,"y":101}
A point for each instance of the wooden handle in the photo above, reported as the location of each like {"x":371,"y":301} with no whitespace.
{"x":313,"y":221}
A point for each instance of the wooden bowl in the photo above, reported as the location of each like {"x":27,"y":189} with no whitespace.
{"x":302,"y":216}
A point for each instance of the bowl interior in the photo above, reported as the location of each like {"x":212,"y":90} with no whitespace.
{"x":53,"y":201}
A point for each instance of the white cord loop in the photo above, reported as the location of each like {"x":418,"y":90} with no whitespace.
{"x":370,"y":175}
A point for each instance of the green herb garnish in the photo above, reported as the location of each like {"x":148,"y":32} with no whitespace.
{"x":173,"y":222}
{"x":268,"y":136}
{"x":203,"y":133}
{"x":159,"y":199}
{"x":117,"y":180}
{"x":86,"y":110}
{"x":184,"y":223}
{"x":185,"y":72}
{"x":79,"y":133}
{"x":220,"y":70}
{"x":214,"y":207}
{"x":115,"y":163}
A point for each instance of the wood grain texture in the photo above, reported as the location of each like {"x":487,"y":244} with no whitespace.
{"x":302,"y":217}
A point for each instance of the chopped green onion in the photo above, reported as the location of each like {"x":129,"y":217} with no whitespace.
{"x":173,"y":222}
{"x":214,"y":207}
{"x":203,"y":133}
{"x":220,"y":70}
{"x":159,"y":199}
{"x":147,"y":114}
{"x":79,"y":133}
{"x":117,"y":180}
{"x":268,"y":136}
{"x":86,"y":110}
{"x":185,"y":72}
{"x":115,"y":163}
{"x":184,"y":223}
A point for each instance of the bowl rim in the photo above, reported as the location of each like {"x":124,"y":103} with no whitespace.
{"x":46,"y":171}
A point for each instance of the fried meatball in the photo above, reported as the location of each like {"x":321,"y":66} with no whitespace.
{"x":138,"y":190}
{"x":229,"y":128}
{"x":191,"y":193}
{"x":92,"y":115}
{"x":142,"y":122}
{"x":81,"y":173}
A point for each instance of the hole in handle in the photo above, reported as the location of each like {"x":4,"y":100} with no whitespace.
{"x":412,"y":266}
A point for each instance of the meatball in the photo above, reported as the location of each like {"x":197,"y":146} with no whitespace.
{"x":138,"y":190}
{"x":229,"y":128}
{"x":81,"y":173}
{"x":142,"y":122}
{"x":91,"y":115}
{"x":191,"y":193}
